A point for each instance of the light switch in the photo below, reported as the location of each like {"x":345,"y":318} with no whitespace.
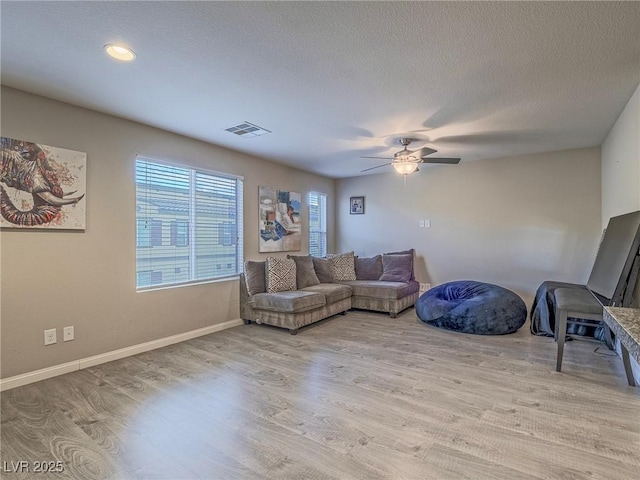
{"x":421,"y":223}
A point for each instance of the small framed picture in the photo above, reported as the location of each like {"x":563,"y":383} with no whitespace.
{"x":356,"y":205}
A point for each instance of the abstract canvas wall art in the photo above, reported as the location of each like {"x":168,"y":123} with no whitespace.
{"x":42,"y":186}
{"x":279,"y":213}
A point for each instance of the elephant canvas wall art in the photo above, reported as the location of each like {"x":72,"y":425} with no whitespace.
{"x":41,"y":186}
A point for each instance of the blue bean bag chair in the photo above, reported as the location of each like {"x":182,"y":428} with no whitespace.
{"x":472,"y":307}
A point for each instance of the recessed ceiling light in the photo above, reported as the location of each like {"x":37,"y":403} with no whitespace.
{"x":119,"y":52}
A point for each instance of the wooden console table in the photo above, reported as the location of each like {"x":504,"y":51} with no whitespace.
{"x":625,"y":323}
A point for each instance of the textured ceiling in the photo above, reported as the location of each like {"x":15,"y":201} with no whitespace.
{"x":337,"y":80}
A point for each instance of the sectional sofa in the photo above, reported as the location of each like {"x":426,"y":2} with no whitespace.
{"x":300,"y":290}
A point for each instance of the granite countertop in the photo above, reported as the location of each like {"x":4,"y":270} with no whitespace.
{"x":625,"y":323}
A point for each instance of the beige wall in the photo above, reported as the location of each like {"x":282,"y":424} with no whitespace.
{"x":510,"y":221}
{"x":621,"y":163}
{"x":51,"y":279}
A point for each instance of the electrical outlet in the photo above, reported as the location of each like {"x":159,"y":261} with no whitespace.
{"x":425,"y":286}
{"x":68,"y":334}
{"x":50,"y":336}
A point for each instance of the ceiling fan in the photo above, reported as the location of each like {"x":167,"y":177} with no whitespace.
{"x":406,"y":161}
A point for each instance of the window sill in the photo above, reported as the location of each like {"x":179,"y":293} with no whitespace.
{"x":155,"y":288}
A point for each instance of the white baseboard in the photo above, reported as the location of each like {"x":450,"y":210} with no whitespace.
{"x":54,"y":371}
{"x":37,"y":375}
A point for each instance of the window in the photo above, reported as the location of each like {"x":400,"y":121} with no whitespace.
{"x":149,"y":232}
{"x":179,"y":233}
{"x":226,"y":233}
{"x":188,"y":224}
{"x":317,"y":224}
{"x":149,"y":277}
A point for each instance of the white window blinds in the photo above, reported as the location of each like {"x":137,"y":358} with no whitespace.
{"x":317,"y":224}
{"x":188,"y":224}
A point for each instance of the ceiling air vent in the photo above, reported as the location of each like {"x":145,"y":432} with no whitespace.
{"x":247,"y":129}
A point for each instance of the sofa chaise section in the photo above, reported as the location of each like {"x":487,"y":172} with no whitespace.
{"x":381,"y":296}
{"x":296,"y":308}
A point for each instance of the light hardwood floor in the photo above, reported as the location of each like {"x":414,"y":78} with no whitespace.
{"x":360,"y":396}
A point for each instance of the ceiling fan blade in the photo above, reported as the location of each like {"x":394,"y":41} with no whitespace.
{"x":372,"y":168}
{"x":380,"y":158}
{"x":424,"y":151}
{"x":449,"y":161}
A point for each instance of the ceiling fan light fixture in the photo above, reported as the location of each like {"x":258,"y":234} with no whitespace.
{"x":405,"y":167}
{"x":406,"y":162}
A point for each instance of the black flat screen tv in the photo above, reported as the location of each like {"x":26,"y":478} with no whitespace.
{"x":615,"y":258}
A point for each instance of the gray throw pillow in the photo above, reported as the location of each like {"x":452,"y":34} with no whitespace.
{"x":369,"y":268}
{"x":406,"y":252}
{"x":255,"y":277}
{"x":324,"y":269}
{"x":281,"y":274}
{"x":305,"y":273}
{"x":396,"y":268}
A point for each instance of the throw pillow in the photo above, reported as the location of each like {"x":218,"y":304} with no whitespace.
{"x":344,"y":267}
{"x":323,"y":269}
{"x":406,"y":252}
{"x":254,"y":277}
{"x":369,"y":268}
{"x":281,"y":274}
{"x":396,"y":268}
{"x":305,"y":273}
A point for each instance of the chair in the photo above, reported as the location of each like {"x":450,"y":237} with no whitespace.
{"x":583,"y":309}
{"x":611,"y":283}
